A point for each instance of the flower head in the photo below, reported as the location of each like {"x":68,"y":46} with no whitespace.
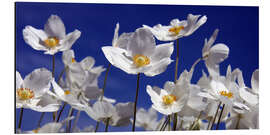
{"x":177,"y":29}
{"x":53,"y":38}
{"x":140,"y":55}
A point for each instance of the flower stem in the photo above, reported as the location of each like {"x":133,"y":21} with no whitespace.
{"x":107,"y":124}
{"x":60,"y":112}
{"x":68,"y":124}
{"x":20,"y":120}
{"x":53,"y":65}
{"x":209,"y":123}
{"x":103,"y":89}
{"x":169,"y":122}
{"x":220,"y":116}
{"x":40,"y":119}
{"x":214,"y":120}
{"x":175,"y":79}
{"x":238,"y":121}
{"x":76,"y":121}
{"x":164,"y":123}
{"x":135,"y":104}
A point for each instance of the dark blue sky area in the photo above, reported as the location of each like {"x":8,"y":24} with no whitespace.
{"x":238,"y":30}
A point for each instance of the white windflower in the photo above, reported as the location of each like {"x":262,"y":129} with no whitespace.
{"x":147,"y":119}
{"x":249,"y":95}
{"x":213,"y":55}
{"x":177,"y":29}
{"x":172,"y":98}
{"x":53,"y":38}
{"x":118,"y":115}
{"x":32,"y":91}
{"x":140,"y":55}
{"x":51,"y":127}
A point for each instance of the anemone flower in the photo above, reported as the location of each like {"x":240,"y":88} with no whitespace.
{"x":147,"y":119}
{"x":53,"y":38}
{"x":177,"y":29}
{"x":140,"y":55}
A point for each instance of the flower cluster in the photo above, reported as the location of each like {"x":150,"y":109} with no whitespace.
{"x":204,"y":105}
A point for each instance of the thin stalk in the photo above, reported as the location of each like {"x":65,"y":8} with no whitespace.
{"x":53,"y":65}
{"x":20,"y":120}
{"x":209,"y":123}
{"x":60,"y":112}
{"x":76,"y":121}
{"x":40,"y":119}
{"x":214,"y":120}
{"x":105,"y":80}
{"x":107,"y":124}
{"x":103,"y":89}
{"x":194,"y":122}
{"x":181,"y":124}
{"x":164,"y":123}
{"x":97,"y":125}
{"x":135,"y":104}
{"x":175,"y":79}
{"x":169,"y":122}
{"x":238,"y":121}
{"x":220,"y":116}
{"x":61,"y":74}
{"x":68,"y":124}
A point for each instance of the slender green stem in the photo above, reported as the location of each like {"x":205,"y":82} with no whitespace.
{"x":68,"y":124}
{"x":60,"y":112}
{"x":174,"y":121}
{"x":194,"y":122}
{"x":61,"y":74}
{"x":176,"y":61}
{"x":97,"y":125}
{"x":20,"y":120}
{"x":40,"y":119}
{"x":220,"y":116}
{"x":164,"y":123}
{"x":103,"y":89}
{"x":169,"y":122}
{"x":76,"y":120}
{"x":238,"y":121}
{"x":214,"y":120}
{"x":209,"y":123}
{"x":53,"y":65}
{"x":107,"y":124}
{"x":135,"y":104}
{"x":105,"y":80}
{"x":181,"y":124}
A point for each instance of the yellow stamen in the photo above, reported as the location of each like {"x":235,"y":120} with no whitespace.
{"x":175,"y":30}
{"x":141,"y":60}
{"x":226,"y":94}
{"x":25,"y":93}
{"x":35,"y":130}
{"x":73,"y":60}
{"x":67,"y":92}
{"x":168,"y":99}
{"x":51,"y":42}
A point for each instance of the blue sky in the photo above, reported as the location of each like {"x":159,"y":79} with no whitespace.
{"x":238,"y":30}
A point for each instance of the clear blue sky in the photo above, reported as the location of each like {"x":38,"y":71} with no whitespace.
{"x":238,"y":30}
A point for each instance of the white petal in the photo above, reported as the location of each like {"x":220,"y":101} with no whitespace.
{"x":123,"y":40}
{"x":52,"y":127}
{"x":162,"y":51}
{"x":38,"y":81}
{"x":124,"y":112}
{"x":67,"y":57}
{"x":142,"y":42}
{"x":34,"y":37}
{"x":19,"y":80}
{"x":255,"y":81}
{"x":155,"y":98}
{"x":103,"y":109}
{"x":117,"y":58}
{"x":161,"y":32}
{"x":248,"y":97}
{"x":169,"y":86}
{"x":115,"y":37}
{"x":69,"y":40}
{"x":158,"y":67}
{"x":87,"y":63}
{"x":92,"y":92}
{"x":208,"y":44}
{"x":55,"y":27}
{"x":218,"y":53}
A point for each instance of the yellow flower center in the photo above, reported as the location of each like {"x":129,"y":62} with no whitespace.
{"x":141,"y":60}
{"x":67,"y":92}
{"x":175,"y":30}
{"x":226,"y":94}
{"x":35,"y":130}
{"x":168,"y":99}
{"x":73,"y":60}
{"x":25,"y":93}
{"x":51,"y":42}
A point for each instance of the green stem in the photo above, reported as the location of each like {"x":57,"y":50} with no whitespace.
{"x":181,"y":124}
{"x":209,"y":123}
{"x":238,"y":121}
{"x":176,"y":61}
{"x":220,"y":116}
{"x":53,"y":65}
{"x":164,"y":123}
{"x":40,"y":119}
{"x":97,"y":125}
{"x":107,"y":124}
{"x":68,"y":124}
{"x":169,"y":123}
{"x":135,"y":104}
{"x":76,"y":120}
{"x":20,"y":120}
{"x":60,"y":112}
{"x":214,"y":120}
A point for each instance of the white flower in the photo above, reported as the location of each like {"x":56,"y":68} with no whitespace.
{"x":249,"y":95}
{"x":67,"y":96}
{"x":119,"y":115}
{"x":172,"y":98}
{"x":53,"y":38}
{"x":31,"y":92}
{"x":177,"y":29}
{"x":51,"y":127}
{"x":147,"y":119}
{"x":213,"y":55}
{"x":140,"y":55}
